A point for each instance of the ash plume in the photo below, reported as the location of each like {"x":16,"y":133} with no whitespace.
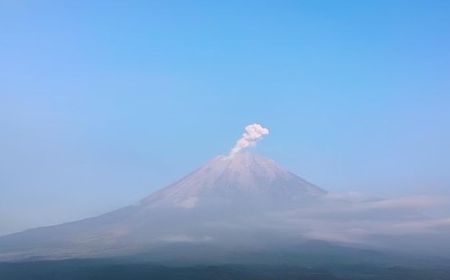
{"x":251,"y":135}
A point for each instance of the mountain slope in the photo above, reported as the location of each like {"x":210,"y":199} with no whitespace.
{"x":226,"y":203}
{"x":241,"y":176}
{"x":231,"y":206}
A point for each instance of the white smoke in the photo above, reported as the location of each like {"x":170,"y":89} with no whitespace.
{"x":252,"y":134}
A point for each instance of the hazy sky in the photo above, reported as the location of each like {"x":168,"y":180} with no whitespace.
{"x":103,"y":102}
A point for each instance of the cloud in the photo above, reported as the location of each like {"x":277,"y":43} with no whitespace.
{"x":251,"y":135}
{"x":347,"y":196}
{"x":410,"y":202}
{"x":183,"y":238}
{"x":355,"y":218}
{"x":188,"y":203}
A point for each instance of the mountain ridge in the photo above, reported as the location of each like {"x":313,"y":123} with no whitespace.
{"x":229,"y":196}
{"x":245,"y":201}
{"x":243,"y":174}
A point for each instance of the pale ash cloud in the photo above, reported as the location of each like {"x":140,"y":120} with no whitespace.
{"x":251,"y":135}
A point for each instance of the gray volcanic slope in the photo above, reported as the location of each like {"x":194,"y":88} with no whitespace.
{"x":227,"y":202}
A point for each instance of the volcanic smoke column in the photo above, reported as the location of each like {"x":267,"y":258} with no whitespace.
{"x":251,"y":135}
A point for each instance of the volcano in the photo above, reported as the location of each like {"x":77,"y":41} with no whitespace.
{"x":225,"y":202}
{"x":237,"y":208}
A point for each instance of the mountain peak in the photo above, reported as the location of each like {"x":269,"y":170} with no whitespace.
{"x":241,"y":175}
{"x":246,"y":165}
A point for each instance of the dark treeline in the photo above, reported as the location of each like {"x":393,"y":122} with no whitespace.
{"x":102,"y":270}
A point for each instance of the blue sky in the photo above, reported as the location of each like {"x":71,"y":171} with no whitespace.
{"x":103,"y":102}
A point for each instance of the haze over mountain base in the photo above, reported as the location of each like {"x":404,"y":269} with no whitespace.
{"x":232,"y":208}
